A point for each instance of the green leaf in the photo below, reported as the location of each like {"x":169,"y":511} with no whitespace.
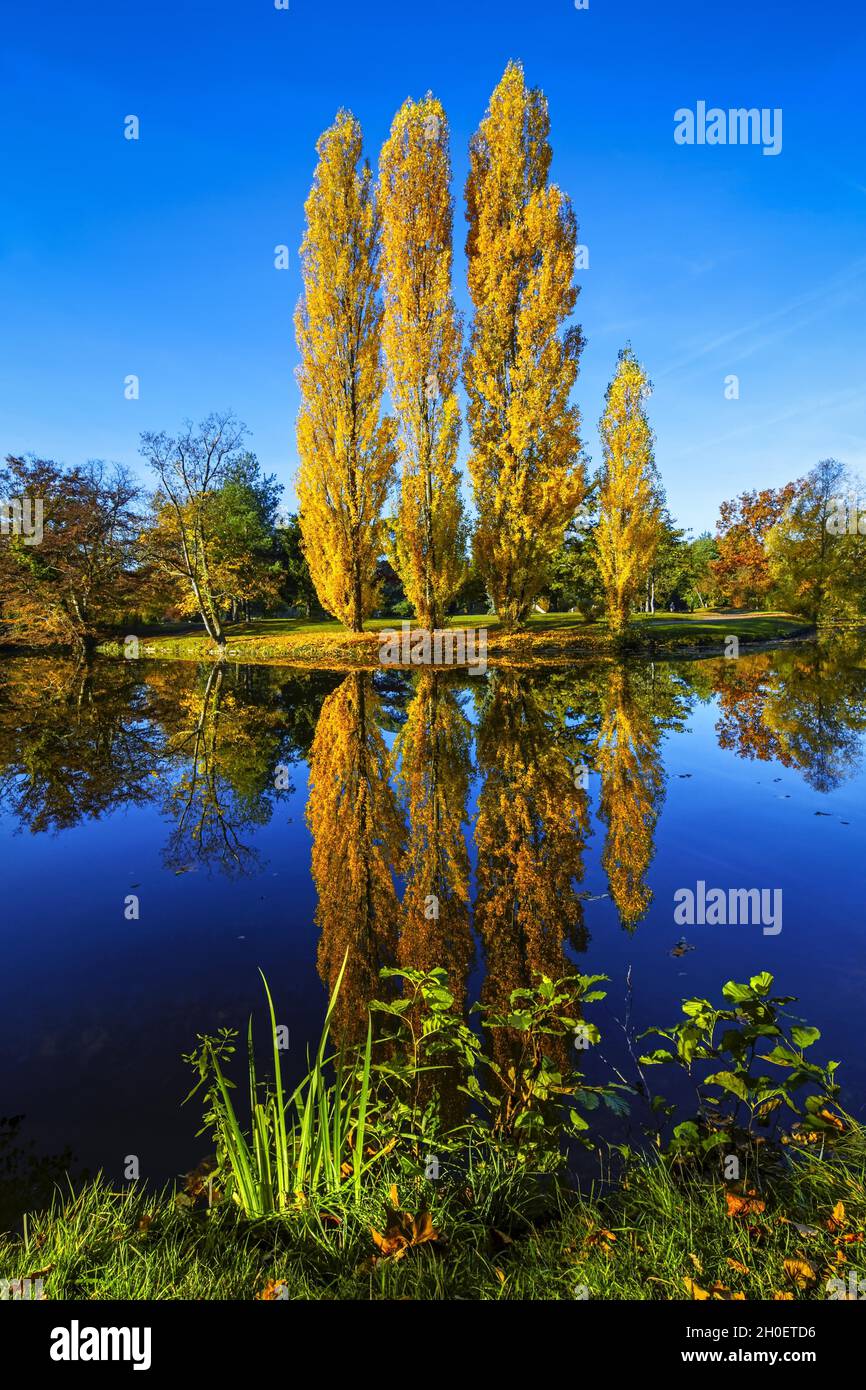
{"x":763,"y":983}
{"x":661,"y":1054}
{"x":804,"y":1037}
{"x":781,"y":1057}
{"x":731,"y":1082}
{"x":740,"y":994}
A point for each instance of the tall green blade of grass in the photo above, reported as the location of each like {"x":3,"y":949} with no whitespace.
{"x":308,"y":1166}
{"x":280,"y":1141}
{"x":360,"y":1131}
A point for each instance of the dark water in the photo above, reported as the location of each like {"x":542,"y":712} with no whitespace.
{"x":268,"y":818}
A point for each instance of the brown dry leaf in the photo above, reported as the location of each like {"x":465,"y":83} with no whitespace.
{"x":199,"y":1182}
{"x":402,"y":1231}
{"x":747,"y":1205}
{"x":603,"y":1238}
{"x":837,"y":1218}
{"x":738,"y":1266}
{"x":800,"y":1272}
{"x":782,"y":1297}
{"x":696,"y":1262}
{"x":146,"y":1221}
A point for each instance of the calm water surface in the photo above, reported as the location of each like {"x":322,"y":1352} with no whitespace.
{"x":498,"y":826}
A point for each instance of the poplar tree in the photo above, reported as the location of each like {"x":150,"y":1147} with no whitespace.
{"x":522,"y":363}
{"x":422,"y":348}
{"x":345,"y":444}
{"x":630,"y":513}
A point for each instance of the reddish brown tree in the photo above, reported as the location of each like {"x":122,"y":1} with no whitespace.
{"x":742,"y":570}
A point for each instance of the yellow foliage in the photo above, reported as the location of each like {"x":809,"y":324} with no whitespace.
{"x":358,"y":833}
{"x":632,"y":782}
{"x":525,"y":459}
{"x":422,"y":346}
{"x":629,"y":524}
{"x":530,"y":832}
{"x":346,"y":447}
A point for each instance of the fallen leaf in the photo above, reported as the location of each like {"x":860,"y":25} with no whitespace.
{"x":738,"y":1266}
{"x":272,"y":1292}
{"x":800,"y":1272}
{"x":694,"y":1289}
{"x":748,"y":1205}
{"x":403,"y":1231}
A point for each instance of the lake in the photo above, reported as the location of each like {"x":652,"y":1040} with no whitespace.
{"x":169,"y":829}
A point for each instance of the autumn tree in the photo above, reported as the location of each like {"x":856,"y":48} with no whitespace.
{"x":422,"y":348}
{"x":630,"y":509}
{"x":741,"y":568}
{"x":525,"y":459}
{"x":186,"y":536}
{"x":346,"y":446}
{"x":815,"y":558}
{"x":74,"y":573}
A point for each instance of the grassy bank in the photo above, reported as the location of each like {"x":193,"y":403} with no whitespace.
{"x":548,"y":639}
{"x":655,"y":1235}
{"x":333,"y":1192}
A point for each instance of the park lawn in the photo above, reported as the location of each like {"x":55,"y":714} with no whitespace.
{"x":656,"y":1233}
{"x":548,"y":638}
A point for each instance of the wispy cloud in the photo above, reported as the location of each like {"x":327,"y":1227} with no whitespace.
{"x":834,"y":293}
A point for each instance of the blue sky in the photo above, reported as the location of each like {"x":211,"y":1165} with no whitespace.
{"x":155,"y":257}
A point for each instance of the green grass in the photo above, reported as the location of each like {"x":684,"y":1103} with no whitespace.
{"x":501,"y":1236}
{"x":546,"y":637}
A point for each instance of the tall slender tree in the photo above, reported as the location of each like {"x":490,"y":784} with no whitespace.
{"x":346,"y":446}
{"x":521,"y":365}
{"x":422,"y":349}
{"x":630,"y":509}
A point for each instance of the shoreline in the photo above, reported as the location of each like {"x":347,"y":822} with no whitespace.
{"x":548,"y":643}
